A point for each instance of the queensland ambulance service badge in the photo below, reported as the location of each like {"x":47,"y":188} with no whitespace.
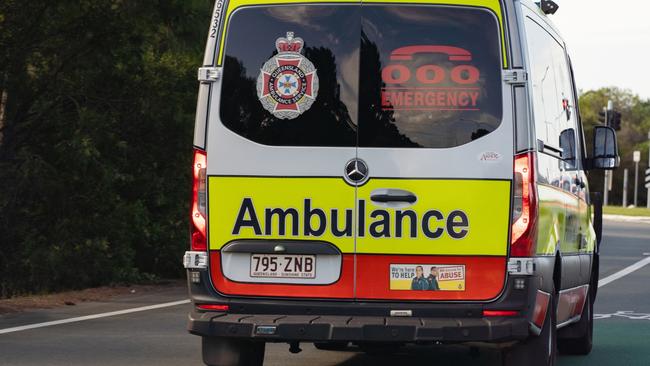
{"x":287,"y":84}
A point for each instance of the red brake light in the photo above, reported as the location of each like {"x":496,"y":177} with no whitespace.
{"x":214,"y":307}
{"x":524,"y":226}
{"x":199,"y":201}
{"x":498,"y":313}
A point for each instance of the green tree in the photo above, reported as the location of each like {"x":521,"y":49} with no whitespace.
{"x":96,"y":130}
{"x":632,"y":136}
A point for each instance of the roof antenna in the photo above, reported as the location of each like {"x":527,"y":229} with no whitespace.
{"x":548,"y":6}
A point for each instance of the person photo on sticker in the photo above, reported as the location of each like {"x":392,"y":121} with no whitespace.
{"x":433,"y":279}
{"x":419,"y":283}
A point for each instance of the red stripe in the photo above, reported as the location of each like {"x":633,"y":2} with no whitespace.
{"x":485,"y":278}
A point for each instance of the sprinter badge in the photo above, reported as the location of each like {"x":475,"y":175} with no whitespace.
{"x":287,"y":84}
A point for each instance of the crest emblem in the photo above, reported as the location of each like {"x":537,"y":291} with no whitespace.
{"x":287,"y":84}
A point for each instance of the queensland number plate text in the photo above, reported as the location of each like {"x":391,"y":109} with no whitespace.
{"x":283,"y":266}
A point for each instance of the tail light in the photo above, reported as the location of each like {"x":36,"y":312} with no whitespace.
{"x":199,"y":201}
{"x":499,"y":313}
{"x":524,"y":214}
{"x":214,"y":307}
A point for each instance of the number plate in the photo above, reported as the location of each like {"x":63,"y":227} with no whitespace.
{"x":283,"y":266}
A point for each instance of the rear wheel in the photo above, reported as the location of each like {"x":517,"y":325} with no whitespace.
{"x":540,"y":350}
{"x":232,"y":352}
{"x":577,"y":339}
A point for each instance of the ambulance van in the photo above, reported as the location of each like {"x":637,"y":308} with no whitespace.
{"x":376,"y":174}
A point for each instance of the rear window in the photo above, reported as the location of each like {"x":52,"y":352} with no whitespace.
{"x":369,"y":76}
{"x":330,"y":36}
{"x":430,"y":76}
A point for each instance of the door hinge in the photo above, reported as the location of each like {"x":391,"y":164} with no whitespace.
{"x":195,"y":260}
{"x":209,"y":74}
{"x":521,"y":266}
{"x":515,"y":76}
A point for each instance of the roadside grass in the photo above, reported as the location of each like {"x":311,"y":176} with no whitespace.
{"x":636,"y":211}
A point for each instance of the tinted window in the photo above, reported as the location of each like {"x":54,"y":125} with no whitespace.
{"x":300,"y":105}
{"x":408,"y":76}
{"x":553,"y":98}
{"x":430,"y":76}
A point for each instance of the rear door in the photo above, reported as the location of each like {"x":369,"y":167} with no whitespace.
{"x":283,"y":125}
{"x":435,"y":131}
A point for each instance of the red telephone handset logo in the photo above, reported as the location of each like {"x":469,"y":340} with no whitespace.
{"x":397,"y":73}
{"x":451,"y":84}
{"x":454,"y":53}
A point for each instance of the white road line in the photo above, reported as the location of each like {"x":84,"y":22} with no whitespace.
{"x":624,"y":272}
{"x":94,"y":316}
{"x":602,"y":282}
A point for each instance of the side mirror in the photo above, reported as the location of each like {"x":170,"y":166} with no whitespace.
{"x":605,"y":155}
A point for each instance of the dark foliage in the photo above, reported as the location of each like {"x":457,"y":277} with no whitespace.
{"x":96,"y":139}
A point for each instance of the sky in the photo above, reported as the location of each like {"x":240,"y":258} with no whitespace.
{"x":608,"y":41}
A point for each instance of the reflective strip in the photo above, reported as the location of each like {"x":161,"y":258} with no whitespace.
{"x":441,"y":205}
{"x":541,"y":308}
{"x":571,"y":303}
{"x":553,"y":218}
{"x":248,"y":198}
{"x":449,"y":217}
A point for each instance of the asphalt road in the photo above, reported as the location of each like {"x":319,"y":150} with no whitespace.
{"x":158,"y":337}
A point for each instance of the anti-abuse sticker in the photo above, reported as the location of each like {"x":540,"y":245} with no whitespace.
{"x":427,"y":277}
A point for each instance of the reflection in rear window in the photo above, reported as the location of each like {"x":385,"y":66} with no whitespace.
{"x":430,"y":76}
{"x":370,"y":76}
{"x":280,"y":101}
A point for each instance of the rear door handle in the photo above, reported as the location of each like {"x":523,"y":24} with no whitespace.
{"x":392,"y":196}
{"x":384,"y":198}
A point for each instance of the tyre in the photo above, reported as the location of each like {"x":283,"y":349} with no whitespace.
{"x":331,"y":346}
{"x":232,"y":352}
{"x":537,"y":350}
{"x":577,"y":339}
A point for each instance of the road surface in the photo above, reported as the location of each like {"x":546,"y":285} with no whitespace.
{"x":158,"y":337}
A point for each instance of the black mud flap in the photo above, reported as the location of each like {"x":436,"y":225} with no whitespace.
{"x":597,"y":203}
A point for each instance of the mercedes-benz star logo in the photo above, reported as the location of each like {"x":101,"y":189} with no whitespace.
{"x":356,"y":172}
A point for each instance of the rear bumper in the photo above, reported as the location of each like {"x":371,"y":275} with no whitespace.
{"x":322,"y":320}
{"x":367,"y":277}
{"x":312,"y":328}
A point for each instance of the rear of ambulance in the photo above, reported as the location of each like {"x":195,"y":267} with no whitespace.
{"x":355,"y":178}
